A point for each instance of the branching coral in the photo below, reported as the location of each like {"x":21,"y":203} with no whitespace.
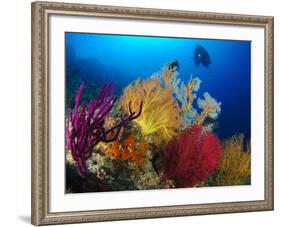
{"x":191,"y":157}
{"x":165,"y":146}
{"x":210,"y":108}
{"x":168,"y":76}
{"x":129,"y":150}
{"x":192,"y":86}
{"x":160,"y":112}
{"x":234,"y":168}
{"x":187,"y":94}
{"x":85,"y":126}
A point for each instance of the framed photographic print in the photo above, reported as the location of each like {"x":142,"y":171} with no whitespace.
{"x":144,"y":113}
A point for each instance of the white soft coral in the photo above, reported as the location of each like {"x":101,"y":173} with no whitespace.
{"x":210,"y":107}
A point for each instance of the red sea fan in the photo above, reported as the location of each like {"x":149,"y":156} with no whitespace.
{"x":191,"y":157}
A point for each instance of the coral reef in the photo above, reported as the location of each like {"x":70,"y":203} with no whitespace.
{"x":167,"y":141}
{"x":85,"y":127}
{"x":168,"y":76}
{"x":147,"y":178}
{"x":126,"y":164}
{"x":210,"y":108}
{"x":235,"y":166}
{"x":186,"y":94}
{"x":129,"y":150}
{"x":160,"y":112}
{"x":191,"y":157}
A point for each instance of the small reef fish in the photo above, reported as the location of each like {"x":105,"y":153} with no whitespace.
{"x":201,"y":56}
{"x":173,"y":64}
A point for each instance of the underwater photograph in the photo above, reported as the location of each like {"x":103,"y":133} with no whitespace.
{"x":146,"y":112}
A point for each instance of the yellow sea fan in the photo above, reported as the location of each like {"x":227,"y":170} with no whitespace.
{"x":234,"y":168}
{"x":160,"y":112}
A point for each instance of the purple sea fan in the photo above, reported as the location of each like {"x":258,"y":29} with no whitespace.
{"x":85,"y":125}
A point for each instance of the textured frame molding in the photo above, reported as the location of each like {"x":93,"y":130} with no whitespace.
{"x":40,"y":194}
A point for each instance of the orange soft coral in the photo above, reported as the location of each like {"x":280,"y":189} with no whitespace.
{"x":130,"y":149}
{"x":160,"y":112}
{"x":190,"y":97}
{"x":167,"y":76}
{"x":204,"y":113}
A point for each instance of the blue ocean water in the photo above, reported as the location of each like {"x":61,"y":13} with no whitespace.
{"x":121,"y":59}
